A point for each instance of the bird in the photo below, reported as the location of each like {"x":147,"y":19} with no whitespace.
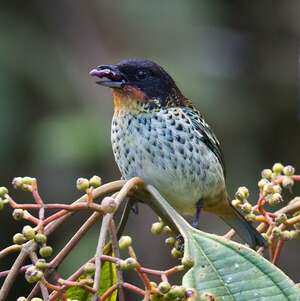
{"x":157,"y":134}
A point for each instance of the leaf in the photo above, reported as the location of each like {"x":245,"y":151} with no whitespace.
{"x":227,"y":270}
{"x":108,"y":279}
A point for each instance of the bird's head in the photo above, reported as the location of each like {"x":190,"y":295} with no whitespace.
{"x":139,"y":85}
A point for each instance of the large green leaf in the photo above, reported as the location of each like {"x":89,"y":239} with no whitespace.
{"x":108,"y":279}
{"x":225,"y":269}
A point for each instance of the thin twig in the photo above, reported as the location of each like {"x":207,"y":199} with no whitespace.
{"x":116,"y":253}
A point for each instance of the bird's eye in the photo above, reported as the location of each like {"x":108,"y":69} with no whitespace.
{"x":141,"y":74}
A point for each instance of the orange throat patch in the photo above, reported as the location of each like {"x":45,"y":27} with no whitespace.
{"x":128,"y":99}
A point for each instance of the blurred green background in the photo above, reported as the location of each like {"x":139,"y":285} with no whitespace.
{"x":236,"y":60}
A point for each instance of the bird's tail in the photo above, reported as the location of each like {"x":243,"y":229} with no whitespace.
{"x":243,"y":228}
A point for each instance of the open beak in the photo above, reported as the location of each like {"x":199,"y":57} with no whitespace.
{"x":110,"y":76}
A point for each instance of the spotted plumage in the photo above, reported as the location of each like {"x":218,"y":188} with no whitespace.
{"x":158,"y":135}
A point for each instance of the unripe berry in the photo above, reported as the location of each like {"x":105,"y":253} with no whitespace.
{"x":295,"y":234}
{"x":177,"y":291}
{"x":164,"y":287}
{"x":17,"y":182}
{"x":278,"y":168}
{"x":187,"y":262}
{"x":176,"y":253}
{"x":266,"y":238}
{"x":28,"y":232}
{"x":157,"y":228}
{"x":95,"y":181}
{"x":287,"y":182}
{"x":3,"y":191}
{"x":131,"y":263}
{"x":90,"y":267}
{"x":275,"y":199}
{"x":247,"y":208}
{"x":251,"y":217}
{"x":46,"y":251}
{"x":277,"y":189}
{"x":18,"y":214}
{"x":28,"y":181}
{"x":268,"y":189}
{"x":108,"y":205}
{"x":286,"y":235}
{"x":281,"y":219}
{"x":297,"y":226}
{"x":262,"y":183}
{"x":36,"y":299}
{"x":19,"y":239}
{"x":289,"y":170}
{"x":41,"y":264}
{"x":125,"y":242}
{"x":122,"y":265}
{"x":236,"y":203}
{"x":2,"y":203}
{"x":242,"y":193}
{"x":167,"y":230}
{"x":40,"y":238}
{"x":277,"y":233}
{"x":170,"y":241}
{"x":266,"y":173}
{"x":32,"y":274}
{"x":153,"y":284}
{"x":22,"y":299}
{"x":82,"y":184}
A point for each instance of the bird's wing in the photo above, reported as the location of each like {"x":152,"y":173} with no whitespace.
{"x":206,"y":134}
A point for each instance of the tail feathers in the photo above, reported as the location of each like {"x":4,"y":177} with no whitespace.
{"x":244,"y":229}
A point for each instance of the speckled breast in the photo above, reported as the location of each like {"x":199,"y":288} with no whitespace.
{"x":165,"y":150}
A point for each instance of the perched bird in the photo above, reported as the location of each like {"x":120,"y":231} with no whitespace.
{"x":158,"y":135}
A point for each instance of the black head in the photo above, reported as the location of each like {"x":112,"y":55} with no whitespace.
{"x":146,"y":76}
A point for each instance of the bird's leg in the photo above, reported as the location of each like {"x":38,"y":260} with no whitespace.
{"x":195,"y":222}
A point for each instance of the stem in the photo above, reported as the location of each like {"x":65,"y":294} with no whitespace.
{"x":116,"y":253}
{"x":101,"y":243}
{"x":10,"y":250}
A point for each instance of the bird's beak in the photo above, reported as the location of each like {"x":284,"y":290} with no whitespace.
{"x":110,"y":76}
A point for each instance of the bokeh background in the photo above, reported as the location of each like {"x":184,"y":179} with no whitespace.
{"x":237,"y":60}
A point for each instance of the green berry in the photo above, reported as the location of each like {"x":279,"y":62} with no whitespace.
{"x":247,"y":208}
{"x":22,"y":299}
{"x":277,"y":168}
{"x":95,"y":181}
{"x":176,"y":292}
{"x":242,"y":193}
{"x":82,"y":184}
{"x":266,"y":174}
{"x":289,"y":170}
{"x":28,"y":181}
{"x":236,"y":203}
{"x":164,"y":287}
{"x":167,"y":230}
{"x":3,"y":191}
{"x":2,"y":203}
{"x":275,"y":199}
{"x":18,"y":214}
{"x":176,"y":253}
{"x":19,"y":239}
{"x":40,"y":238}
{"x":36,"y":299}
{"x":287,"y":182}
{"x":41,"y":264}
{"x":131,"y":263}
{"x":277,"y":233}
{"x":250,"y":217}
{"x":122,"y":265}
{"x":153,"y":284}
{"x":268,"y":189}
{"x":108,"y":205}
{"x":33,"y":275}
{"x":28,"y":232}
{"x":90,"y":267}
{"x":125,"y":242}
{"x":262,"y":183}
{"x":187,"y":262}
{"x":17,"y":182}
{"x":157,"y":228}
{"x":281,"y":219}
{"x":170,"y":241}
{"x":277,"y":189}
{"x":46,"y":251}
